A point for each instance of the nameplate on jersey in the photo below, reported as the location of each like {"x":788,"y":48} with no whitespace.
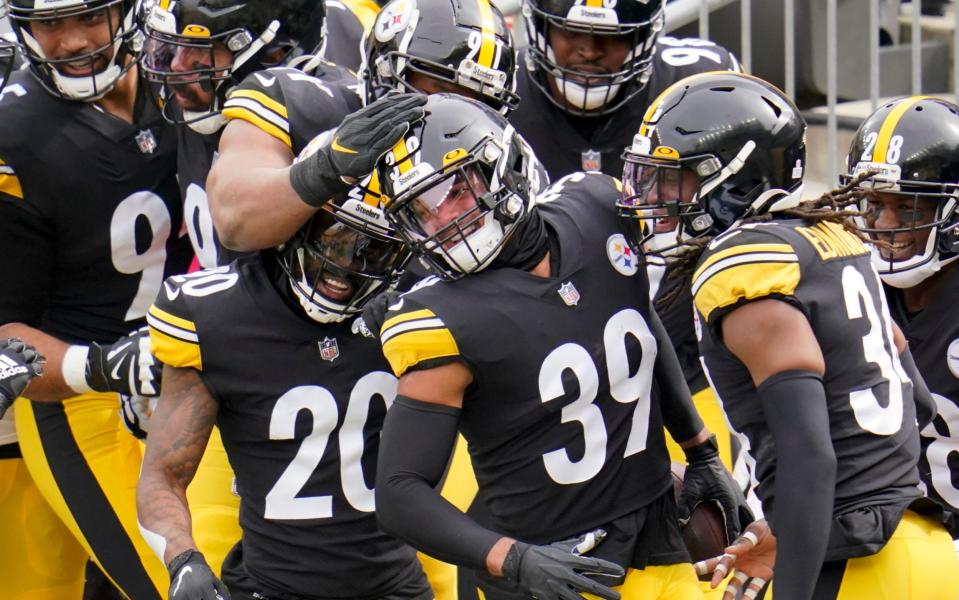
{"x":830,"y":241}
{"x":592,"y":160}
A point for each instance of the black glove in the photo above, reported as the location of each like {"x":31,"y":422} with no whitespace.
{"x":192,"y":579}
{"x":374,"y":313}
{"x":127,"y":367}
{"x":706,"y":479}
{"x":334,"y":161}
{"x":558,"y":570}
{"x":19,"y":363}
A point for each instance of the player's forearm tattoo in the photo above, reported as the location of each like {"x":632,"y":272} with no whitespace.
{"x":180,"y":428}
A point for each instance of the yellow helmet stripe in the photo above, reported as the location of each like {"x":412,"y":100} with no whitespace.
{"x":889,"y":127}
{"x":372,"y":196}
{"x":594,"y":3}
{"x":487,"y":53}
{"x":401,"y":156}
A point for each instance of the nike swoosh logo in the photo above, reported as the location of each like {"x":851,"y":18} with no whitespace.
{"x":171,"y":292}
{"x":265,"y":80}
{"x":179,"y":578}
{"x":336,"y":146}
{"x":115,"y":373}
{"x":398,"y":305}
{"x":116,"y":351}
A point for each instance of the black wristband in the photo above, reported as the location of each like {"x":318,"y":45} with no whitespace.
{"x":181,"y":559}
{"x":314,"y":179}
{"x":705,"y":451}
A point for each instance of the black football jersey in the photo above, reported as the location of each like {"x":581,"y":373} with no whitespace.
{"x":558,"y":138}
{"x":90,"y":214}
{"x":933,"y":336}
{"x":346,"y":22}
{"x":563,"y":420}
{"x":826,"y":273}
{"x":301,"y":405}
{"x":292,"y":106}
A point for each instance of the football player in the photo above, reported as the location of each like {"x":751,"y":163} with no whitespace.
{"x":273,"y":351}
{"x":591,"y":70}
{"x":911,"y":211}
{"x":195,"y":57}
{"x":532,"y":343}
{"x":409,"y":48}
{"x":789,"y":308}
{"x":85,"y":247}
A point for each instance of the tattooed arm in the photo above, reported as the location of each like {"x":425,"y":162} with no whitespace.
{"x":179,"y":431}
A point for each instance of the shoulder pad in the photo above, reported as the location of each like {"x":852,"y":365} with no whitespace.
{"x":688,"y":56}
{"x":412,"y":334}
{"x":747,"y":263}
{"x":174,"y":338}
{"x":261,"y":101}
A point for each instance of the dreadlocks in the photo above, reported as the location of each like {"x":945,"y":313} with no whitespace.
{"x":833,"y":206}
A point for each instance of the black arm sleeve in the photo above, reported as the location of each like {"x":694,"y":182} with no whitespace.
{"x":679,"y":413}
{"x":794,"y":405}
{"x":417,"y":441}
{"x":926,"y":409}
{"x":26,"y":263}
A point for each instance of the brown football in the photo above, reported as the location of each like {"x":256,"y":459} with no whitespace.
{"x":705,"y":533}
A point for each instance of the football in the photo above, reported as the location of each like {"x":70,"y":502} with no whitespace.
{"x":705,"y":533}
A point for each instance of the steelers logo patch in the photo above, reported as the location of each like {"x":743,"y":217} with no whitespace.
{"x":621,"y":256}
{"x":392,"y":20}
{"x":952,"y":357}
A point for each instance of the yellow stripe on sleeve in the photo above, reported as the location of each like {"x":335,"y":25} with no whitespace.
{"x":174,"y":351}
{"x":737,"y":250}
{"x":424,"y":313}
{"x":172,"y":319}
{"x":262,"y":98}
{"x":410,"y":348}
{"x":10,"y":185}
{"x":245,"y":114}
{"x":746,"y":281}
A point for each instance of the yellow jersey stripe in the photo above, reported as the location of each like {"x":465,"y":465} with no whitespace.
{"x":487,"y":53}
{"x":410,"y":348}
{"x":889,"y":127}
{"x":175,"y":352}
{"x":403,"y":318}
{"x":174,"y":320}
{"x":244,"y":114}
{"x":744,"y":249}
{"x":260,"y":97}
{"x":746,"y":281}
{"x":170,"y":331}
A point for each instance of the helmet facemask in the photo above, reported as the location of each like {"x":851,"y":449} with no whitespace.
{"x":336,"y":264}
{"x":174,"y":60}
{"x":104,"y":66}
{"x":589,"y":93}
{"x":920,"y":208}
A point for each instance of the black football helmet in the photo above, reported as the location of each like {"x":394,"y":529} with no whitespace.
{"x":463,"y":43}
{"x":457,"y":184}
{"x":217,"y":43}
{"x":713,"y":149}
{"x":912,"y":145}
{"x":588,"y":93}
{"x":344,"y":255}
{"x":101,"y":67}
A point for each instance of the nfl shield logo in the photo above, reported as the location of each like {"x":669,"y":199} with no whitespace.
{"x":592,"y":160}
{"x":146,"y":142}
{"x":569,"y":293}
{"x":329,"y":349}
